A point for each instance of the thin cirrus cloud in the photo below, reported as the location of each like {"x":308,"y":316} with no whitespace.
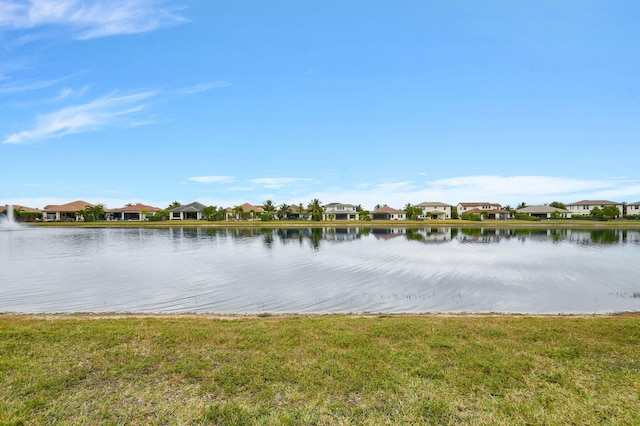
{"x":211,"y":179}
{"x":26,"y":86}
{"x":88,"y":19}
{"x":280,"y":182}
{"x":111,"y":110}
{"x":203,"y":87}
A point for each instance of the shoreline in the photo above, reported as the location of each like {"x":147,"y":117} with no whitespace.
{"x":614,"y":224}
{"x":263,"y":316}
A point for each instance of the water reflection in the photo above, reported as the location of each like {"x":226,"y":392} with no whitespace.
{"x":428,"y":269}
{"x":315,"y":237}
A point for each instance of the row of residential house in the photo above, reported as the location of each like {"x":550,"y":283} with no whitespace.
{"x":332,"y":211}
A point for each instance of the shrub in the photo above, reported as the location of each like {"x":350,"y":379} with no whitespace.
{"x":474,"y":217}
{"x":524,"y":216}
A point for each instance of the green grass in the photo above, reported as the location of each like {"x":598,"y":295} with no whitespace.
{"x":481,"y":370}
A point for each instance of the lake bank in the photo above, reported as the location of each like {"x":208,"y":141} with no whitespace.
{"x":613,"y":224}
{"x":331,"y":369}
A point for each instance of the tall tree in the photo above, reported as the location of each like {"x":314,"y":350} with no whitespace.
{"x":315,"y":209}
{"x":174,"y":205}
{"x":610,"y":212}
{"x":412,"y":212}
{"x":269,"y":208}
{"x":238,"y":212}
{"x":284,"y":211}
{"x":558,"y":205}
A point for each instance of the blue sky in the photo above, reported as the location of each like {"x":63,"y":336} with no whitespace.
{"x":363,"y":102}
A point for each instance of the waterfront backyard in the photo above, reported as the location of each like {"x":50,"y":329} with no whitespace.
{"x":421,"y":369}
{"x":253,"y":325}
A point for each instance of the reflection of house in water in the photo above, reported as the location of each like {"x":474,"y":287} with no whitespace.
{"x":595,"y":236}
{"x":388,"y":233}
{"x":429,"y":235}
{"x":631,"y":236}
{"x":482,"y":235}
{"x":341,"y":234}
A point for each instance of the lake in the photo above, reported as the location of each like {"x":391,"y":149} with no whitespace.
{"x":319,"y":270}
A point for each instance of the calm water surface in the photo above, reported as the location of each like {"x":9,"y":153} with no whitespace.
{"x":319,"y":270}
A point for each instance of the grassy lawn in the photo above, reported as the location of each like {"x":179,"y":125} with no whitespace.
{"x":482,"y":370}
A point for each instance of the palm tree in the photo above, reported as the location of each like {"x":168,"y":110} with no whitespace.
{"x":238,"y":212}
{"x":315,"y":209}
{"x":269,"y":208}
{"x":284,"y":211}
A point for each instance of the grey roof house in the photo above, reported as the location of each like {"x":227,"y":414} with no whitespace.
{"x":192,"y":211}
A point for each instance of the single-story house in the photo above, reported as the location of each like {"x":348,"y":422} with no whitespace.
{"x":33,"y":214}
{"x":434,"y":210}
{"x":545,"y":212}
{"x":249,"y":212}
{"x":132,"y":212}
{"x":192,"y":211}
{"x":65,"y":212}
{"x":299,"y":212}
{"x":388,"y":213}
{"x":585,"y":207}
{"x":339,"y":211}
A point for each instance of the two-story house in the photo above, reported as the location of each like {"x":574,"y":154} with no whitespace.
{"x":585,"y":207}
{"x":339,"y":211}
{"x":434,"y":210}
{"x":486,"y":209}
{"x":633,"y":208}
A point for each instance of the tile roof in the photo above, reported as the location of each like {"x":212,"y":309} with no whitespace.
{"x":541,"y":209}
{"x":69,"y":207}
{"x":473,"y":204}
{"x":433,"y":203}
{"x":19,"y":207}
{"x":135,"y":208}
{"x":387,"y":209}
{"x":595,"y":202}
{"x":191,"y":207}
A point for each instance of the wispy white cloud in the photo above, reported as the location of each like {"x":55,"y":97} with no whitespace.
{"x":106,"y":111}
{"x":280,"y":182}
{"x":211,"y":179}
{"x":26,"y":86}
{"x":203,"y":87}
{"x":88,"y":19}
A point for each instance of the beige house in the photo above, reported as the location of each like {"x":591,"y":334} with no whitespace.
{"x":35,"y":213}
{"x":388,"y":213}
{"x":339,"y":211}
{"x":65,"y":212}
{"x":434,"y":210}
{"x":545,"y":212}
{"x":249,"y":212}
{"x":482,"y":205}
{"x":133,"y":212}
{"x":633,"y":208}
{"x":585,"y":207}
{"x":486,"y":209}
